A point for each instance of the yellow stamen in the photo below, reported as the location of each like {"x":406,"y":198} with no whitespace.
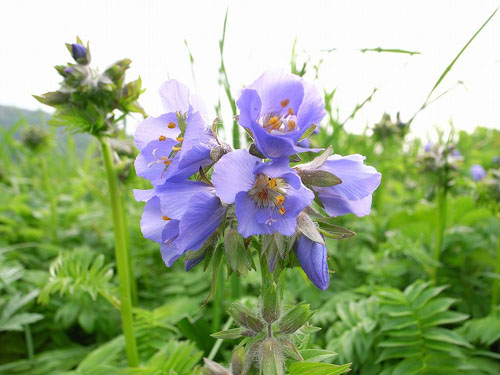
{"x":272,"y":183}
{"x":291,"y":124}
{"x":290,"y":111}
{"x":162,"y":138}
{"x":176,"y":148}
{"x":171,"y":125}
{"x":167,"y":162}
{"x":179,"y":139}
{"x":274,"y":120}
{"x":284,"y":103}
{"x":282,"y":210}
{"x":280,"y":199}
{"x":165,"y":218}
{"x":163,"y":158}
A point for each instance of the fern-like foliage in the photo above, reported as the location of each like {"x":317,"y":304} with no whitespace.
{"x":354,"y":333}
{"x":11,"y":318}
{"x":414,"y":340}
{"x":78,"y":271}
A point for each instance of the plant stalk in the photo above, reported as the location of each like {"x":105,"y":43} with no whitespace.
{"x":441,"y":224}
{"x":121,"y":255}
{"x":496,"y":282}
{"x":30,"y":348}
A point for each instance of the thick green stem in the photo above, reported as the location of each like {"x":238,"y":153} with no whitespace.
{"x":131,"y":264}
{"x":30,"y":348}
{"x":441,"y":224}
{"x":496,"y":283}
{"x":218,"y":301}
{"x":52,"y":200}
{"x":235,"y":287}
{"x":121,"y":255}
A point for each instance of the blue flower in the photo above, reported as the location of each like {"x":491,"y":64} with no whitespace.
{"x":477,"y":172}
{"x":180,"y":216}
{"x":278,"y":108}
{"x":312,"y":257}
{"x":354,"y":194}
{"x":176,"y":144}
{"x":267,"y":196}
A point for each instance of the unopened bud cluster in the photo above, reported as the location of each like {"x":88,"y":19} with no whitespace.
{"x":268,"y":335}
{"x":440,"y":161}
{"x":387,"y":128}
{"x":86,"y":99}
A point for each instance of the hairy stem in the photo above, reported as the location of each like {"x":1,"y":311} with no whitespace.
{"x":121,"y":255}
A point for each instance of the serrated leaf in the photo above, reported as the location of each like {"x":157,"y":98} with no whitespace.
{"x":313,"y":368}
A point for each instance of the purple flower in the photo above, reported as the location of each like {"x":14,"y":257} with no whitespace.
{"x":278,"y":108}
{"x":267,"y":196}
{"x":477,"y":172}
{"x":176,"y":144}
{"x":354,"y":194}
{"x":428,"y":146}
{"x":180,"y":216}
{"x":312,"y":258}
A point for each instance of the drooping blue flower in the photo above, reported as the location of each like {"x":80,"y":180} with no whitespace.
{"x":312,"y":258}
{"x":477,"y":172}
{"x":176,"y":144}
{"x":180,"y":216}
{"x":267,"y":196}
{"x":278,"y":108}
{"x":354,"y":194}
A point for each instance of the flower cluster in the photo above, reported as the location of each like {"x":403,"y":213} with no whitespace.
{"x":204,"y":193}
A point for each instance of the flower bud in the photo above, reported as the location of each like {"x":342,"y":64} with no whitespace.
{"x":270,"y":309}
{"x":219,"y":151}
{"x":245,"y":317}
{"x":272,"y":361}
{"x":53,"y":98}
{"x":116,"y":72}
{"x":213,"y":368}
{"x":237,"y":255}
{"x":251,"y":358}
{"x":317,"y":177}
{"x":295,"y":318}
{"x":80,"y":54}
{"x":237,"y":360}
{"x":290,"y":349}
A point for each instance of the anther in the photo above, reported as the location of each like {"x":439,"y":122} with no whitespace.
{"x":272,"y":183}
{"x":176,"y":148}
{"x":179,"y":139}
{"x":162,"y":138}
{"x":167,"y":162}
{"x":291,"y":124}
{"x":165,"y":218}
{"x":274,"y":120}
{"x":171,"y":125}
{"x":282,"y":210}
{"x":280,"y":199}
{"x":284,"y":103}
{"x":290,"y":111}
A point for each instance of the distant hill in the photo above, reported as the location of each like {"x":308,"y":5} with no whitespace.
{"x":10,"y":116}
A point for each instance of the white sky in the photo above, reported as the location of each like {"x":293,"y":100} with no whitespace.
{"x":259,"y":36}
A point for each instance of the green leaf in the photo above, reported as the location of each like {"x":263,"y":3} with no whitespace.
{"x":230,"y":334}
{"x":313,"y":368}
{"x":308,"y":132}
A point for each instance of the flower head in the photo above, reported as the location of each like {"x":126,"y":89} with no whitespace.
{"x":477,"y":172}
{"x":278,"y":108}
{"x":312,"y":258}
{"x":180,"y":216}
{"x":267,"y":196}
{"x":176,"y":144}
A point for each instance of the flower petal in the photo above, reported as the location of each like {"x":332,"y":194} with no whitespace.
{"x":146,"y":164}
{"x":312,"y":109}
{"x":152,"y":223}
{"x":175,"y":196}
{"x":358,"y":180}
{"x":143,"y":195}
{"x":153,"y":128}
{"x":174,"y":96}
{"x":203,"y":216}
{"x":246,"y":213}
{"x":312,"y":257}
{"x":336,"y":205}
{"x":233,"y":173}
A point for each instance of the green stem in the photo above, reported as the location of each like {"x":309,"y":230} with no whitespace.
{"x":131,"y":264}
{"x":121,"y":255}
{"x":235,"y":287}
{"x":441,"y":224}
{"x":52,"y":200}
{"x":218,"y":300}
{"x":29,"y":342}
{"x":496,"y":283}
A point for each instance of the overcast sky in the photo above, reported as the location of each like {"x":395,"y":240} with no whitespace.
{"x":260,"y":35}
